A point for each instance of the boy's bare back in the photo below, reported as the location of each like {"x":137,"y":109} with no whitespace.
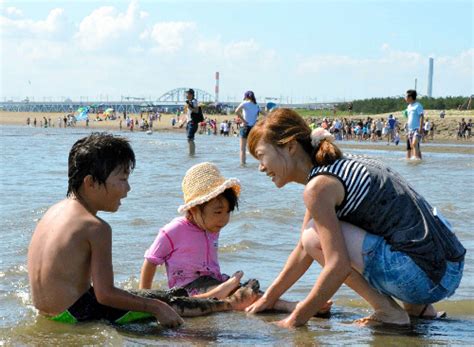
{"x":59,"y":255}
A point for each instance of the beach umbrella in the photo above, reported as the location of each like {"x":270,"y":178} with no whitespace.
{"x":82,"y":113}
{"x":270,"y":106}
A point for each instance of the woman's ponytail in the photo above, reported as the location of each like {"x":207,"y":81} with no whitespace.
{"x":326,"y":152}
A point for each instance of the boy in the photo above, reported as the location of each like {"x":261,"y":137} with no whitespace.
{"x":71,"y":248}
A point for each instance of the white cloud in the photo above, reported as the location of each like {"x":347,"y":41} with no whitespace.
{"x":170,"y":36}
{"x":245,"y":53}
{"x":53,"y":27}
{"x":105,"y":26}
{"x":463,"y":63}
{"x":389,"y":57}
{"x":13,"y":11}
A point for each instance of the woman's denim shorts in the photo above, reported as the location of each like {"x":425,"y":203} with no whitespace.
{"x":245,"y":131}
{"x":395,"y":274}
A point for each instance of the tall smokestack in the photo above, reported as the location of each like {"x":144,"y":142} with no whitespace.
{"x":430,"y":79}
{"x":217,"y":87}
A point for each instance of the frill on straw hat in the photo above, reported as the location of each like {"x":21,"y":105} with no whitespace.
{"x":319,"y":134}
{"x":202,"y":183}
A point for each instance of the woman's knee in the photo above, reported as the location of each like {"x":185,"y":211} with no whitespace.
{"x":353,"y":237}
{"x":310,"y":237}
{"x":311,"y":243}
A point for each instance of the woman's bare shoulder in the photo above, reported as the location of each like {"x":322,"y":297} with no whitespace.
{"x":323,"y":188}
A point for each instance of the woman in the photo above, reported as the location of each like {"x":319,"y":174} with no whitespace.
{"x":248,"y":112}
{"x":364,"y":224}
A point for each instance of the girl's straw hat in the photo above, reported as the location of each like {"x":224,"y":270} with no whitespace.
{"x":203,"y":182}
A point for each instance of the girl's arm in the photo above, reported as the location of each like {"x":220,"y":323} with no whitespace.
{"x":147,"y":274}
{"x":296,"y":265}
{"x":321,"y":196}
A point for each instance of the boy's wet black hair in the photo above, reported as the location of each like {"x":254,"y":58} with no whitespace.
{"x":98,"y":155}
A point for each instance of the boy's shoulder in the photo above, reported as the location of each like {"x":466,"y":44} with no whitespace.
{"x":74,"y":215}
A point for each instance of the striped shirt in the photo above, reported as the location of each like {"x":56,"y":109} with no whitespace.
{"x":381,"y":202}
{"x":355,"y":178}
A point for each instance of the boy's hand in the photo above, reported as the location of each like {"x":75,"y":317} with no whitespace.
{"x":168,"y":317}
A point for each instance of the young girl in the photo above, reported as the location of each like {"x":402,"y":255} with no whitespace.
{"x":188,"y":245}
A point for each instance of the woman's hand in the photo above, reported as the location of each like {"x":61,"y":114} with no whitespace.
{"x":261,"y":304}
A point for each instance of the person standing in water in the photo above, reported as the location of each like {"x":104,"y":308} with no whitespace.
{"x":364,"y":223}
{"x":247,"y":112}
{"x":191,"y":107}
{"x":414,"y":125}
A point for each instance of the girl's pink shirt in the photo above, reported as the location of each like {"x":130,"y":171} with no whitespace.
{"x":187,"y":251}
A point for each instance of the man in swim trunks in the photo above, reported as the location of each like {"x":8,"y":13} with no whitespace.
{"x":71,"y":248}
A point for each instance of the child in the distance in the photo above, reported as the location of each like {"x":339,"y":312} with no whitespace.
{"x":188,"y":245}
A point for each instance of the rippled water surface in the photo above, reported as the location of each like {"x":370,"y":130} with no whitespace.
{"x":259,"y":238}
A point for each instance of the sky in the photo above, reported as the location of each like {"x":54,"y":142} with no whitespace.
{"x":295,"y":51}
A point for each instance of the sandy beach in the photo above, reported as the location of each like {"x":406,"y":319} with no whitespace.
{"x":444,"y":138}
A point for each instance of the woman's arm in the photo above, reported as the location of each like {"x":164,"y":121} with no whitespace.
{"x":147,"y":274}
{"x":296,"y":265}
{"x":321,"y":197}
{"x":238,"y":113}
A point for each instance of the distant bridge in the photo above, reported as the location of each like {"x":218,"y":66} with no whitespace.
{"x":70,"y":107}
{"x":178,"y":95}
{"x":172,"y":99}
{"x":169,"y":101}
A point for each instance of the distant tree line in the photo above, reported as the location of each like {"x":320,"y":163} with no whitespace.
{"x":393,"y":104}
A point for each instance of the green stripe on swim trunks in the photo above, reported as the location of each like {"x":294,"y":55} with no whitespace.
{"x":132,"y":316}
{"x":65,"y":317}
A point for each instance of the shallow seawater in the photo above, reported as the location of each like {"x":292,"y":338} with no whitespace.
{"x":258,"y":240}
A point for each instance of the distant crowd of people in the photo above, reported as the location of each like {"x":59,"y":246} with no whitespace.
{"x":61,"y":122}
{"x":144,"y":123}
{"x":464,"y":130}
{"x":368,"y":129}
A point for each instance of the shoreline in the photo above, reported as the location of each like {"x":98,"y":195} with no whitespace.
{"x":444,"y":141}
